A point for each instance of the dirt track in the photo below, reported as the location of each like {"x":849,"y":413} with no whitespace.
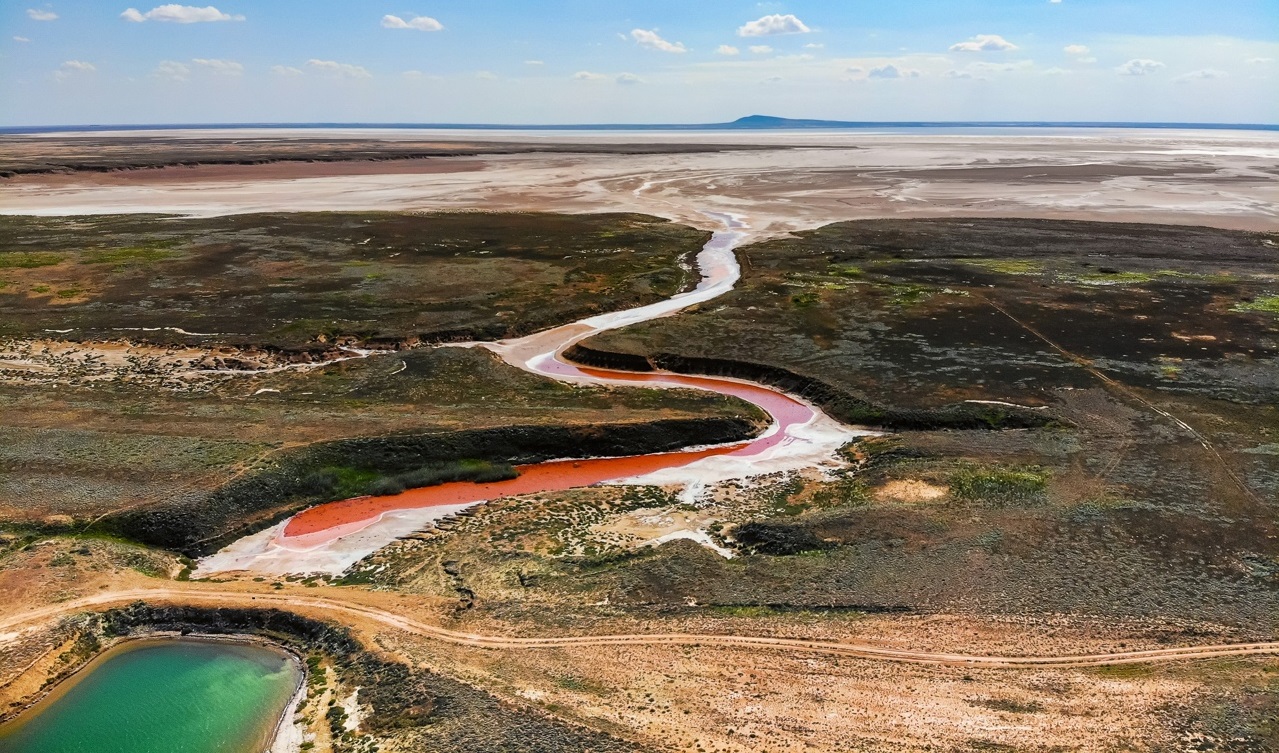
{"x":497,"y":642}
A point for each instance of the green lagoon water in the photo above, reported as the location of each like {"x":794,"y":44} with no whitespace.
{"x":163,"y":696}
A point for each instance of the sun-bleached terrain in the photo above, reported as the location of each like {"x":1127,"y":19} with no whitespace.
{"x":1224,"y":179}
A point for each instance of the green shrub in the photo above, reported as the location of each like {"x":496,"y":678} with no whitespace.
{"x":804,"y":300}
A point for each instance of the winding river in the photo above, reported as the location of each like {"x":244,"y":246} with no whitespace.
{"x":330,"y":538}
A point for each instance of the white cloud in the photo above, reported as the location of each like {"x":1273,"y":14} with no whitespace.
{"x":486,"y":75}
{"x":221,"y":67}
{"x":171,"y":70}
{"x":1201,"y":75}
{"x":814,"y":46}
{"x":332,"y":67}
{"x":417,"y":23}
{"x":855,"y":69}
{"x":36,"y":14}
{"x":1075,"y":49}
{"x":627,"y":79}
{"x":984,"y":43}
{"x":760,"y":49}
{"x":1139,"y":67}
{"x":726,"y":49}
{"x":654,"y":41}
{"x":1260,"y":61}
{"x":773,"y":24}
{"x":534,"y":62}
{"x":957,"y":74}
{"x":21,"y":39}
{"x":179,"y":14}
{"x":1057,"y":71}
{"x":588,"y":76}
{"x":72,"y":67}
{"x":891,"y":71}
{"x":984,"y":66}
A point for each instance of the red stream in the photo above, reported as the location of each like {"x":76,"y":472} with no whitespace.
{"x":326,"y":522}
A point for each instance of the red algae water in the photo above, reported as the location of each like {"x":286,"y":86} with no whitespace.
{"x":326,"y":522}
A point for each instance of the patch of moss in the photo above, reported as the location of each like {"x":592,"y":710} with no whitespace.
{"x":128,"y":255}
{"x":1008,"y":266}
{"x":1267,"y":304}
{"x":998,"y":484}
{"x":909,"y":295}
{"x":846,"y":270}
{"x":28,"y":259}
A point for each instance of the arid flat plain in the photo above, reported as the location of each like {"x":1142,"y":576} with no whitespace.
{"x":1073,"y":472}
{"x":1222,"y":179}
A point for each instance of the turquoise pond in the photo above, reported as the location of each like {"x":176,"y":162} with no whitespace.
{"x":162,"y":696}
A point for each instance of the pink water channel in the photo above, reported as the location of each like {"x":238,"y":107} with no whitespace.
{"x":324,"y":523}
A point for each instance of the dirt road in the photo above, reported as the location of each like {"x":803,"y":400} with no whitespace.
{"x":11,"y":627}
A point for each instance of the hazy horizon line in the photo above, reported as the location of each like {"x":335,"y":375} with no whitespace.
{"x":742,"y":124}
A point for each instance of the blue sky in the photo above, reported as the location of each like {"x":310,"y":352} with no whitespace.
{"x":561,"y":61}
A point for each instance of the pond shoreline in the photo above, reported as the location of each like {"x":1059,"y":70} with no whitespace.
{"x":60,"y":686}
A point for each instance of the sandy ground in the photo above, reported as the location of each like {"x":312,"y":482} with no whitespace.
{"x":1224,"y":179}
{"x":910,"y":490}
{"x":173,"y":368}
{"x":714,"y":692}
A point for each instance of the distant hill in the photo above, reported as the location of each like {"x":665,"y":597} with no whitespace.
{"x":770,"y":122}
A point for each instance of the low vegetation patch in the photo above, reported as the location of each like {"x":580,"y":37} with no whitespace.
{"x":1009,"y":705}
{"x":28,"y":259}
{"x":1008,"y":266}
{"x":302,"y":280}
{"x":477,"y":471}
{"x":129,"y":255}
{"x":1268,"y":304}
{"x":998,"y":484}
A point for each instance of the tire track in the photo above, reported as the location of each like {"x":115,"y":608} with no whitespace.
{"x":14,"y":626}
